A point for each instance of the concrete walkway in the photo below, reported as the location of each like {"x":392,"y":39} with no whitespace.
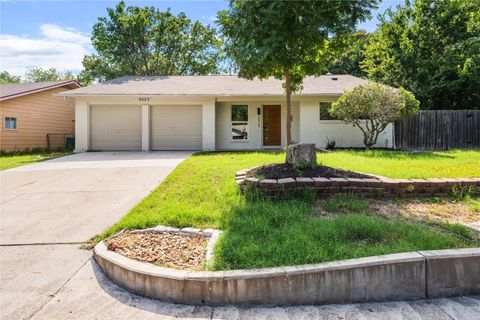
{"x":90,"y":295}
{"x":49,"y":208}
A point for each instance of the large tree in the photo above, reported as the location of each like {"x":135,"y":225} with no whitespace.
{"x":149,"y":42}
{"x":6,"y":77}
{"x":431,"y":48}
{"x":285,"y":39}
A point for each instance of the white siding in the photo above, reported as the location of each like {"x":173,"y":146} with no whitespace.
{"x":214,"y":116}
{"x":314,"y":130}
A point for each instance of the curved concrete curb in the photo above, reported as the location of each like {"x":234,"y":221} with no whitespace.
{"x":390,"y":277}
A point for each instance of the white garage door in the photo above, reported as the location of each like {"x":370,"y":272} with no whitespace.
{"x":176,"y":127}
{"x":116,"y":127}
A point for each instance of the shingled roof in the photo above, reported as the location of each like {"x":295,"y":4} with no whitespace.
{"x":13,"y":90}
{"x":215,"y":86}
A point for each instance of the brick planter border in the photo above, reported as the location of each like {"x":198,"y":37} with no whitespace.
{"x":373,"y":186}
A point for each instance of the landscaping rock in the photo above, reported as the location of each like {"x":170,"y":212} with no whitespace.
{"x":302,"y":155}
{"x":171,"y":250}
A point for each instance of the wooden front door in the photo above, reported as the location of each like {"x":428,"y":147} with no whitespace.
{"x":271,"y":125}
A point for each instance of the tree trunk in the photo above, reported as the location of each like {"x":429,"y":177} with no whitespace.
{"x":288,"y":93}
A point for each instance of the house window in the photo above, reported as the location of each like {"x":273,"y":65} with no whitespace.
{"x":10,"y":123}
{"x":239,"y":122}
{"x":324,"y":113}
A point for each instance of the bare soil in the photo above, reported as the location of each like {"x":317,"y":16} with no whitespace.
{"x":283,"y":170}
{"x":418,"y":209}
{"x":170,"y":250}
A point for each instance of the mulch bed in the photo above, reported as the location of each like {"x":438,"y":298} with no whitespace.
{"x":170,"y":250}
{"x":283,"y":170}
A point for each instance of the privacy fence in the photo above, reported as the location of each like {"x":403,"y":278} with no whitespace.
{"x":439,"y":130}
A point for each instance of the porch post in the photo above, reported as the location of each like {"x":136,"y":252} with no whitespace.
{"x":208,"y":125}
{"x":145,"y":127}
{"x":308,"y":120}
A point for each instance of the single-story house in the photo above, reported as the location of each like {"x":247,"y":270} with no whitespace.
{"x":209,"y":113}
{"x":31,"y":111}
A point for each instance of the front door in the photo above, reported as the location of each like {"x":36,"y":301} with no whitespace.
{"x":271,"y":125}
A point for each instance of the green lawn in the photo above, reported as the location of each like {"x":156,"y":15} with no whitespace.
{"x":440,"y":164}
{"x":8,"y":161}
{"x":201,"y":192}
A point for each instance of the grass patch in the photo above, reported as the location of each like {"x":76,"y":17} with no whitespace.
{"x":347,"y":202}
{"x":201,"y":192}
{"x":267,"y":234}
{"x":393,"y":164}
{"x":473,"y":204}
{"x":12,"y":160}
{"x":197,"y":193}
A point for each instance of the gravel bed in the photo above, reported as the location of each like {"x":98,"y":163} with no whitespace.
{"x":170,"y":250}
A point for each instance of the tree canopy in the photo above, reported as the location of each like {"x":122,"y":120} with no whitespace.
{"x":285,"y":39}
{"x":52,"y":74}
{"x":6,"y":77}
{"x":372,"y":106}
{"x":149,"y":42}
{"x":432,"y":48}
{"x":345,"y":57}
{"x":37,"y":74}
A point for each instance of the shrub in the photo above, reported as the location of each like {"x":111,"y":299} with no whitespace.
{"x":372,"y":106}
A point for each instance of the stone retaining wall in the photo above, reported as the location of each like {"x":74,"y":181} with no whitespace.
{"x":423,"y":274}
{"x":374,"y":186}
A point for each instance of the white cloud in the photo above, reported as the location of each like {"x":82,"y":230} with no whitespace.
{"x":52,"y":31}
{"x":61,"y":48}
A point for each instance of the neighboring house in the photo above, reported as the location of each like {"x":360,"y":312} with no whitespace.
{"x":209,"y":113}
{"x":31,"y":111}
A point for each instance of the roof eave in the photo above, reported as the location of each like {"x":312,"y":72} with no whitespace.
{"x":73,"y":83}
{"x":74,"y":95}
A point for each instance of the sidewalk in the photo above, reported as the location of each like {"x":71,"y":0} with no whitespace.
{"x":91,"y":295}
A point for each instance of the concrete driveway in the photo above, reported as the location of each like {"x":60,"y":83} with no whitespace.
{"x":49,"y":208}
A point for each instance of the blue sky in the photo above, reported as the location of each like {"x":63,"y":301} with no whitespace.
{"x":57,"y":33}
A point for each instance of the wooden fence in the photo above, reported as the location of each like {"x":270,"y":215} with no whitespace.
{"x":439,"y":130}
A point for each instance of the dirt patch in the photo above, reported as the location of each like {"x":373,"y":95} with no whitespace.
{"x":419,"y":209}
{"x":448,"y":211}
{"x":282,"y":170}
{"x":171,"y":250}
